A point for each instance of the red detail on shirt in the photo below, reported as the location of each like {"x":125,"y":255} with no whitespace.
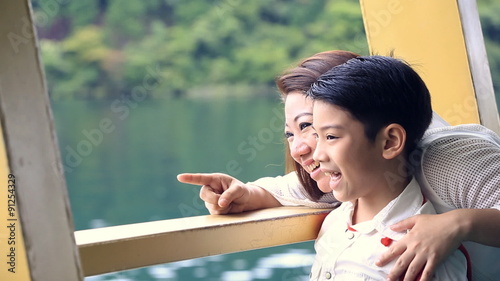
{"x":467,"y":258}
{"x":386,"y":241}
{"x":350,"y":228}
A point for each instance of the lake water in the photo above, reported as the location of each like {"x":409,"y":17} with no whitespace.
{"x":121,"y":158}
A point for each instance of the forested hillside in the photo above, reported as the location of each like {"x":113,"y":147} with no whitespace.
{"x":101,"y":49}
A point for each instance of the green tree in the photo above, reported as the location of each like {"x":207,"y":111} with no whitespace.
{"x":490,"y":22}
{"x":106,"y":48}
{"x":81,"y":66}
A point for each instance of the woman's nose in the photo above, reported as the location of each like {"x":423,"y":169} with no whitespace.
{"x":299,"y":148}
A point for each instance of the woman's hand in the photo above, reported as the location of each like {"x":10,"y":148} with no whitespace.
{"x":430,"y":240}
{"x":224,"y":194}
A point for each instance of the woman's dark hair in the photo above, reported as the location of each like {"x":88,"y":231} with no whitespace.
{"x":378,"y":91}
{"x":300,"y":79}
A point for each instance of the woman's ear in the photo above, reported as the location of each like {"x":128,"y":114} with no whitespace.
{"x":394,"y":139}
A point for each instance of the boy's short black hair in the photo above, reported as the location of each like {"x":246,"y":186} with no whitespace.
{"x":378,"y":91}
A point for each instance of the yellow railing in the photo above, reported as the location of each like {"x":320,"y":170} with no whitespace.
{"x":131,"y":246}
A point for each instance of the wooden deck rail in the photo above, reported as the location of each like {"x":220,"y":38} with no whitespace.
{"x":131,"y":246}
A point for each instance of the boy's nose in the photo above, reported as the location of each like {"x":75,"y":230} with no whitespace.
{"x":318,"y":154}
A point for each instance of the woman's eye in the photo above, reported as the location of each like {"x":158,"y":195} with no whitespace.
{"x":288,"y":135}
{"x":331,"y":137}
{"x":304,"y":125}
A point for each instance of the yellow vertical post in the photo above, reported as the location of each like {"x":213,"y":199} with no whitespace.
{"x":30,"y":154}
{"x":429,"y":34}
{"x":13,"y":263}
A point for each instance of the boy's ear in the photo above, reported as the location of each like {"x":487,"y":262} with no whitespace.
{"x":394,"y":139}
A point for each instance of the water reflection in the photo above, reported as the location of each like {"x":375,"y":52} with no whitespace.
{"x":291,"y":264}
{"x":121,"y":169}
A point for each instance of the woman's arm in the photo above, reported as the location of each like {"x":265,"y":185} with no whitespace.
{"x":480,"y":225}
{"x":433,"y":237}
{"x":289,"y":191}
{"x":462,"y":168}
{"x":224,"y":194}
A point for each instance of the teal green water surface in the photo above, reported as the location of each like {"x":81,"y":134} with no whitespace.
{"x":121,"y":158}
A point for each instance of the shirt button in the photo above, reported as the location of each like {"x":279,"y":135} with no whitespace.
{"x":328,"y":275}
{"x":350,"y":235}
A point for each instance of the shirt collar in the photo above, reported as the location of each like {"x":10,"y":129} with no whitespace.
{"x":404,"y":206}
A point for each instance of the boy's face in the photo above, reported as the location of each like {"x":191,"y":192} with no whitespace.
{"x":346,"y":156}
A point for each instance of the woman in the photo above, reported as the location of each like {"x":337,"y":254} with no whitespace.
{"x":462,"y":182}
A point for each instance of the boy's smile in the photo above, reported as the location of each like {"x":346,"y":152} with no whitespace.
{"x":334,"y":178}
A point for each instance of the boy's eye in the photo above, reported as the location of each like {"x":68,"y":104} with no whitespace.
{"x":304,"y":125}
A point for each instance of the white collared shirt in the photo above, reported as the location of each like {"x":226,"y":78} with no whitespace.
{"x":350,"y":253}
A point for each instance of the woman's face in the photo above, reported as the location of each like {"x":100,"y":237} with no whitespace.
{"x":301,"y":136}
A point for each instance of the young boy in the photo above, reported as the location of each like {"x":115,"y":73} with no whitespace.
{"x":369,"y":114}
